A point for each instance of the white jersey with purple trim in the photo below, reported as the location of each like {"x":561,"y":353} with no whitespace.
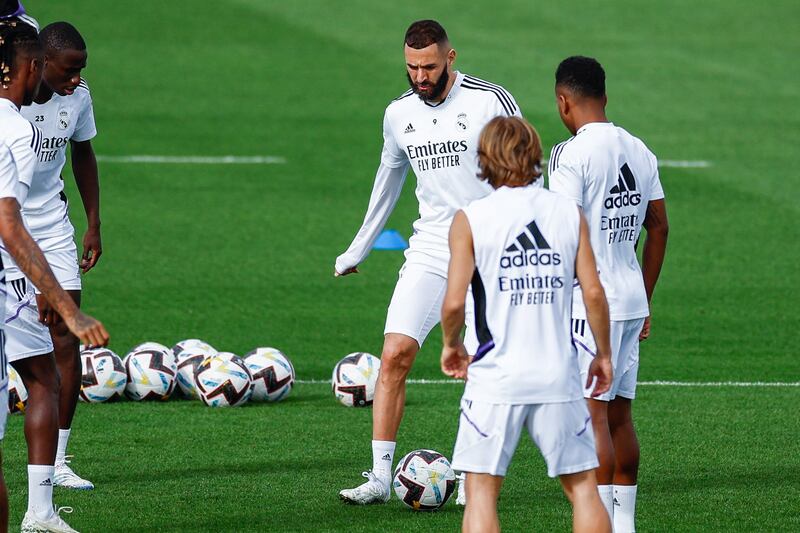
{"x":62,"y":119}
{"x":525,"y":241}
{"x":612,"y":176}
{"x":439,"y":143}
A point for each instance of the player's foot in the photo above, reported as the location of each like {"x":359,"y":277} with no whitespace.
{"x":461,"y":497}
{"x":65,"y":477}
{"x":373,"y":491}
{"x":54,"y":523}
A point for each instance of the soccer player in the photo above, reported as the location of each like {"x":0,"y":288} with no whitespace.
{"x":20,"y":75}
{"x":62,"y":109}
{"x":520,"y":249}
{"x":433,"y":129}
{"x":613,"y":177}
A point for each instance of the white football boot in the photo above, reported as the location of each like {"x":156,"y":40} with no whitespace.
{"x":65,"y":477}
{"x":461,"y":497}
{"x":373,"y":491}
{"x":54,"y":524}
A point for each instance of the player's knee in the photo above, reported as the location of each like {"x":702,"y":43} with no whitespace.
{"x":62,"y":335}
{"x":396,"y":360}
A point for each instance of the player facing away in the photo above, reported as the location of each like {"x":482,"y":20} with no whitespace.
{"x":62,"y":110}
{"x":613,"y":177}
{"x":520,"y":249}
{"x":21,"y":60}
{"x":433,"y":129}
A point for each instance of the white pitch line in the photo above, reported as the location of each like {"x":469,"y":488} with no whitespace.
{"x":644,"y":383}
{"x":195,"y":159}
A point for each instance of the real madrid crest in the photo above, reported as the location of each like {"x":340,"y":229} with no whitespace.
{"x":63,"y":119}
{"x":461,"y":121}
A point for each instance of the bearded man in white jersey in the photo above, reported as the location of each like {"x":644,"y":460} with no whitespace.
{"x":62,"y":109}
{"x":20,"y":75}
{"x":614,"y":178}
{"x":433,"y":129}
{"x":520,"y":248}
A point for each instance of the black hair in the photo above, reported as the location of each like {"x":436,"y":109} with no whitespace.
{"x":62,"y":36}
{"x":15,"y":37}
{"x":9,"y":8}
{"x":582,"y":75}
{"x":423,"y":33}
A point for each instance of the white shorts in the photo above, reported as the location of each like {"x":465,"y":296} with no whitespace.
{"x":416,"y":305}
{"x":624,"y":355}
{"x":3,"y":386}
{"x":25,"y":335}
{"x":488,"y":435}
{"x":61,"y":254}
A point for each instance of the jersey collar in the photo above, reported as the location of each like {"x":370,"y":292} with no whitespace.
{"x":9,"y":103}
{"x":591,"y":125}
{"x":453,"y":91}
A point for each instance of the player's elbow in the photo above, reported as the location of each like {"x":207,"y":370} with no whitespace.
{"x":452,"y":307}
{"x":594,"y":295}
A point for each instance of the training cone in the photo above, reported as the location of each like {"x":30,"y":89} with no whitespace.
{"x":390,"y":239}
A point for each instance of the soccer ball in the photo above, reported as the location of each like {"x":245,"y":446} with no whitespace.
{"x":424,"y":480}
{"x":223,"y":382}
{"x":227,"y":355}
{"x":104,"y":375}
{"x":272,"y":372}
{"x":354,"y":379}
{"x":149,"y":346}
{"x":188,"y":360}
{"x":195,"y":345}
{"x":151,"y":373}
{"x":17,"y":393}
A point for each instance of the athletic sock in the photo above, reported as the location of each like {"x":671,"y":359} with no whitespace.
{"x":63,"y":439}
{"x":40,"y":490}
{"x":625,"y":508}
{"x":607,"y":497}
{"x":382,"y":460}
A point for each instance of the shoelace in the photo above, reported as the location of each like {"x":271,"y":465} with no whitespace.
{"x":67,"y":510}
{"x":369,"y":475}
{"x":68,"y":459}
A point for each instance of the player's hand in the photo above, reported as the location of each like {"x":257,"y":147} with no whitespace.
{"x":89,"y":330}
{"x":600,"y":368}
{"x":47,"y":315}
{"x":455,"y":361}
{"x":351,"y":270}
{"x":645,"y":333}
{"x":92,"y":249}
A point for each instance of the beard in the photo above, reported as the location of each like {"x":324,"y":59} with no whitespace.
{"x":430,"y":93}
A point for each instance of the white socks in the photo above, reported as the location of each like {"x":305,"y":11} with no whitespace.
{"x":40,"y":490}
{"x":63,"y":439}
{"x":607,"y":497}
{"x":624,"y":508}
{"x":382,"y":460}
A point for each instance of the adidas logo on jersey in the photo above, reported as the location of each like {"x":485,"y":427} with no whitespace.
{"x":409,"y":129}
{"x":530,"y":248}
{"x":624,"y":192}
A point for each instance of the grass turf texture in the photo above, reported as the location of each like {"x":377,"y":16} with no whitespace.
{"x":243,"y":255}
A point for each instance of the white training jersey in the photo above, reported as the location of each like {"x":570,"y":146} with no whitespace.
{"x":612,"y":175}
{"x":525,"y":241}
{"x":439,"y":143}
{"x":62,"y":119}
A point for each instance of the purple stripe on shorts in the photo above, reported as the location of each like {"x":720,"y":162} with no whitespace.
{"x":483,"y":349}
{"x":19,"y":310}
{"x":585,"y":425}
{"x":471,"y":423}
{"x":586,"y":348}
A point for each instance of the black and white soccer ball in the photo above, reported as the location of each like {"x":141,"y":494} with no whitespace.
{"x":17,"y":393}
{"x":103,"y":377}
{"x":151,"y":370}
{"x":223,"y":382}
{"x":354,"y":379}
{"x":193,"y":344}
{"x":188,"y":359}
{"x":272,"y":372}
{"x":424,"y":480}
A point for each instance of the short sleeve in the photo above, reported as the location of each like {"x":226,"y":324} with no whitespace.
{"x":656,"y":190}
{"x":8,"y":173}
{"x":85,"y":128}
{"x":24,"y":149}
{"x":392,"y":155}
{"x":565,"y":175}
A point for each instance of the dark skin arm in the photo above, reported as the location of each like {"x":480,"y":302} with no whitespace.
{"x":31,"y":262}
{"x":655,"y":248}
{"x":84,"y":167}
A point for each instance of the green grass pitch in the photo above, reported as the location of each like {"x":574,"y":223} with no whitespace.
{"x":242,"y":255}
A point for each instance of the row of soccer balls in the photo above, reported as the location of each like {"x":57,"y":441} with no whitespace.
{"x":151,"y":371}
